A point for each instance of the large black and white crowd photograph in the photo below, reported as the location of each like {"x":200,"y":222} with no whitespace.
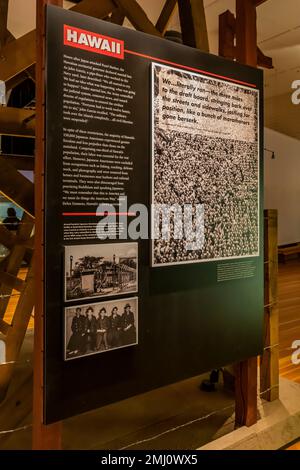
{"x":104,"y":269}
{"x":221,"y":174}
{"x":100,"y":327}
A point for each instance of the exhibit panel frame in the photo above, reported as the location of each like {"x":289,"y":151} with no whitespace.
{"x":218,"y":306}
{"x":201,"y":131}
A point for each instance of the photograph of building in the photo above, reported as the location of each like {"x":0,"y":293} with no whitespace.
{"x":100,"y":270}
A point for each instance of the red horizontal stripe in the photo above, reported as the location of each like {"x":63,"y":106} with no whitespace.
{"x":192,"y":69}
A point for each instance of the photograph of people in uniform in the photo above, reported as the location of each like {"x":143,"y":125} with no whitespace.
{"x":100,"y":327}
{"x":100,"y":270}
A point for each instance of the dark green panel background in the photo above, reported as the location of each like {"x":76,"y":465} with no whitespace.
{"x":188,"y":322}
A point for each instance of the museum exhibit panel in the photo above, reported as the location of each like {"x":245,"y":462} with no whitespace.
{"x":149,"y":243}
{"x":124,"y":112}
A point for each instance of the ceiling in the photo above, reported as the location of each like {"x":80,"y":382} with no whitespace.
{"x":278,"y":37}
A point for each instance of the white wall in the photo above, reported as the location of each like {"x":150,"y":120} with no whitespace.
{"x":282,"y":184}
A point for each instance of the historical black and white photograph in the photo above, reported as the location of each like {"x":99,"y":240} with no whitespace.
{"x":100,"y":327}
{"x":205,"y":152}
{"x":105,"y":269}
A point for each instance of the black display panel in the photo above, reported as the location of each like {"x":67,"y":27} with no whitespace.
{"x":128,"y":114}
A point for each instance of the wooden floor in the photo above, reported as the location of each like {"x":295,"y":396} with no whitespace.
{"x":289,"y":314}
{"x":289,"y":317}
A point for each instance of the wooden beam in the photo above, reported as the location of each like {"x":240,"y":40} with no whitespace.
{"x":186,"y":22}
{"x":20,"y":78}
{"x":16,"y":187}
{"x":30,"y":73}
{"x":7,"y":238}
{"x":227,"y":29}
{"x":20,"y":162}
{"x":193,"y":24}
{"x":21,"y":318}
{"x":4,"y":328}
{"x":10,"y":240}
{"x":257,"y":3}
{"x":200,"y":27}
{"x":16,"y":332}
{"x":246,"y":371}
{"x":164,"y":17}
{"x":227,"y":33}
{"x":43,"y":437}
{"x":3,"y":23}
{"x":263,"y":60}
{"x":13,"y":262}
{"x":97,"y":9}
{"x":269,"y":362}
{"x":246,"y":392}
{"x":20,"y":54}
{"x":117,"y":16}
{"x":246,"y":32}
{"x":11,"y":281}
{"x":137,"y":16}
{"x":17,"y":122}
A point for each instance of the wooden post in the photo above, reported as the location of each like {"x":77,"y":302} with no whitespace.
{"x":246,"y":32}
{"x":227,"y":31}
{"x":244,"y":29}
{"x":117,"y":17}
{"x":269,"y":362}
{"x":227,"y":35}
{"x":193,"y":24}
{"x":200,"y":27}
{"x":44,"y":437}
{"x":245,"y":51}
{"x":246,"y":392}
{"x":3,"y":22}
{"x":164,"y":17}
{"x":246,"y":371}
